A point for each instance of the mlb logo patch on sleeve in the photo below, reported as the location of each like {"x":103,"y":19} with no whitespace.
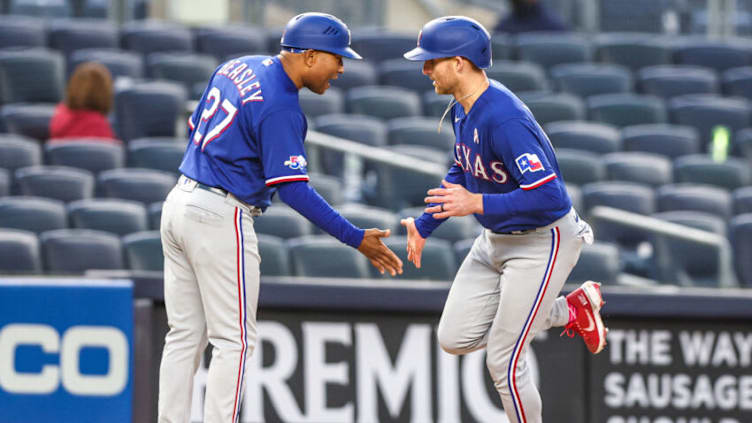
{"x":296,"y":162}
{"x":529,"y":162}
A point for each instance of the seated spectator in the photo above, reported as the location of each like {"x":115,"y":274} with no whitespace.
{"x":527,"y":16}
{"x":88,"y":100}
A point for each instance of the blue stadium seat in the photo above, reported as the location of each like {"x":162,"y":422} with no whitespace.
{"x":742,"y":143}
{"x":143,"y":251}
{"x":713,"y":54}
{"x":553,"y":107}
{"x":595,"y":137}
{"x":94,"y":156}
{"x":671,"y":141}
{"x":737,"y":82}
{"x":417,"y":130}
{"x":701,"y":169}
{"x":518,"y":76}
{"x":740,"y":231}
{"x":358,"y":73}
{"x":18,"y":31}
{"x":404,"y":74}
{"x":230,"y":41}
{"x":627,"y":196}
{"x":575,"y":194}
{"x":586,"y":79}
{"x":501,"y":46}
{"x":625,"y":109}
{"x":378,"y":45}
{"x":44,"y":84}
{"x":438,"y":262}
{"x":149,"y":109}
{"x":742,"y":198}
{"x":600,"y":262}
{"x":694,"y":197}
{"x":383,"y":102}
{"x":282,"y":221}
{"x":17,"y":151}
{"x":120,"y":63}
{"x":69,"y":35}
{"x":462,"y":249}
{"x":643,"y":168}
{"x":164,"y":154}
{"x":315,"y":105}
{"x":631,"y":49}
{"x":144,"y":185}
{"x":275,"y":259}
{"x":554,"y":48}
{"x":329,"y":187}
{"x":57,"y":182}
{"x":580,"y":167}
{"x":28,"y":120}
{"x":704,"y":112}
{"x":41,"y":8}
{"x":34,"y":214}
{"x":154,"y":211}
{"x":673,"y":80}
{"x":150,"y":36}
{"x":434,"y":104}
{"x":634,"y":15}
{"x":19,"y":252}
{"x":366,"y":217}
{"x":74,"y":251}
{"x":311,"y":256}
{"x":400,"y":188}
{"x":192,"y":71}
{"x":360,"y":128}
{"x":4,"y":182}
{"x":120,"y":217}
{"x":453,"y":229}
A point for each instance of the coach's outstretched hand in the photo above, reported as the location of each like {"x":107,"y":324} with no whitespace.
{"x":378,"y":253}
{"x":415,"y":242}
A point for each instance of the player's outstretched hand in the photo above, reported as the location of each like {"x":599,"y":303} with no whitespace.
{"x":415,"y":242}
{"x":454,"y":200}
{"x":378,"y":253}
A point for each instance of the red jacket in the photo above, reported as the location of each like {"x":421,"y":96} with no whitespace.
{"x":67,"y":123}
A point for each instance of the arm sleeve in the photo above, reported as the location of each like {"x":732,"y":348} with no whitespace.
{"x":306,"y":201}
{"x":281,"y":144}
{"x":426,"y":223}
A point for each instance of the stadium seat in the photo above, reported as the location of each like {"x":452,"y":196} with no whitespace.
{"x":383,"y":102}
{"x":742,"y":199}
{"x":737,"y":82}
{"x":358,"y":73}
{"x":4,"y":182}
{"x":705,"y":112}
{"x":315,"y":105}
{"x":44,"y":85}
{"x":94,"y":156}
{"x":120,"y":63}
{"x":329,"y":187}
{"x":438,"y":262}
{"x":143,"y":251}
{"x":69,"y":35}
{"x":518,"y":76}
{"x":144,"y":185}
{"x":625,"y":109}
{"x":192,"y":71}
{"x":580,"y":167}
{"x":501,"y":46}
{"x":57,"y":182}
{"x":282,"y":221}
{"x":151,"y":36}
{"x":453,"y":229}
{"x":19,"y":252}
{"x":742,"y":143}
{"x":643,"y":168}
{"x":552,"y":48}
{"x":740,"y":231}
{"x":599,"y":262}
{"x":18,"y":31}
{"x":633,"y":16}
{"x":671,"y":141}
{"x":405,"y":74}
{"x":17,"y":151}
{"x":575,"y":194}
{"x":34,"y":214}
{"x":552,"y":107}
{"x":74,"y":251}
{"x":701,"y":169}
{"x":633,"y":50}
{"x":713,"y":54}
{"x":693,"y":197}
{"x":673,"y":80}
{"x":627,"y":196}
{"x":378,"y":45}
{"x":360,"y":128}
{"x":120,"y":217}
{"x":41,"y":8}
{"x":149,"y":109}
{"x":586,"y":79}
{"x":154,"y":211}
{"x":311,"y":256}
{"x":434,"y":104}
{"x":594,"y":137}
{"x":163,"y":154}
{"x":28,"y":120}
{"x":273,"y":38}
{"x":420,"y":131}
{"x":366,"y":217}
{"x":400,"y":188}
{"x":230,"y":41}
{"x":275,"y":259}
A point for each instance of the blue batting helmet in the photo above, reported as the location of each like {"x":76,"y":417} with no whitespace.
{"x":450,"y":36}
{"x":318,"y":31}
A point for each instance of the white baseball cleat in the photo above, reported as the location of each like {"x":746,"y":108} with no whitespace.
{"x":585,"y":303}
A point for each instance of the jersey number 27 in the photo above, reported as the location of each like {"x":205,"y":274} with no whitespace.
{"x":206,"y":116}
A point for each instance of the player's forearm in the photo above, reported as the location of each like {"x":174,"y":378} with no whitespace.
{"x":520,"y":201}
{"x":306,"y":201}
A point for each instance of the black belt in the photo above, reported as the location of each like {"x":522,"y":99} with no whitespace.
{"x":215,"y":190}
{"x":525,"y":232}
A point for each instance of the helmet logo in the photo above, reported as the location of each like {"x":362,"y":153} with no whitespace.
{"x":330,"y":30}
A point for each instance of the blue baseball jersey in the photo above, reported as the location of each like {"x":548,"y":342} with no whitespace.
{"x":247,"y":132}
{"x":501,"y":151}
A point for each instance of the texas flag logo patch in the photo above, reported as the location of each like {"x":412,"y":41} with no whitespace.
{"x":529,"y":162}
{"x":296,"y":162}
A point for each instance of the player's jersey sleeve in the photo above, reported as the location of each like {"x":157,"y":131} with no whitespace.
{"x":523,"y":150}
{"x":281,"y":136}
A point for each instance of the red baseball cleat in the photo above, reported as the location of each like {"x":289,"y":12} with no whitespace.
{"x":585,"y":305}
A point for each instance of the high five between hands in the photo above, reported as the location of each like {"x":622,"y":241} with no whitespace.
{"x":452,"y":200}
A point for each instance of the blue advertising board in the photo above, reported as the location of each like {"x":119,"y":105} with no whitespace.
{"x":66,"y":350}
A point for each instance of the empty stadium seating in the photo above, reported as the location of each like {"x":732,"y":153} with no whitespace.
{"x":668,"y":140}
{"x":693,"y":197}
{"x":357,"y":73}
{"x":587,"y":79}
{"x":120,"y":217}
{"x":74,"y":251}
{"x":28,"y":120}
{"x":672,"y":80}
{"x":43,"y":85}
{"x":701,"y":169}
{"x":405,"y":74}
{"x":632,"y":49}
{"x":144,"y":185}
{"x":625,"y":109}
{"x":58,"y":182}
{"x":438,"y":262}
{"x":18,"y":151}
{"x":69,"y":35}
{"x":644,"y":168}
{"x":420,"y":131}
{"x":737,"y":82}
{"x":282,"y":221}
{"x":312,"y":256}
{"x":715,"y":54}
{"x":92,"y":155}
{"x":230,"y":41}
{"x":149,"y":109}
{"x":120,"y":63}
{"x":742,"y":199}
{"x":453,"y":229}
{"x":599,"y":262}
{"x":163,"y":154}
{"x":143,"y":251}
{"x":275,"y":259}
{"x":740,"y":230}
{"x":192,"y":71}
{"x":580,"y":167}
{"x":314,"y":105}
{"x":366,"y":217}
{"x":550,"y":49}
{"x":587,"y":136}
{"x":34,"y":214}
{"x":705,"y":112}
{"x":383,"y":102}
{"x":19,"y":252}
{"x":552,"y":107}
{"x":519,"y":76}
{"x":152,"y":36}
{"x":17,"y":31}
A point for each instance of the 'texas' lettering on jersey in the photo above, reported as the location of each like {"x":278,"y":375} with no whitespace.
{"x":243,"y":78}
{"x":475,"y":165}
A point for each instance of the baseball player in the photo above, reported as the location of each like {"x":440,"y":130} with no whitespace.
{"x":505,"y":173}
{"x":246,"y":143}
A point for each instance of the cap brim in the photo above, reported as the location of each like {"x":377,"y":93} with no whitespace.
{"x":349,"y":53}
{"x":419,"y":54}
